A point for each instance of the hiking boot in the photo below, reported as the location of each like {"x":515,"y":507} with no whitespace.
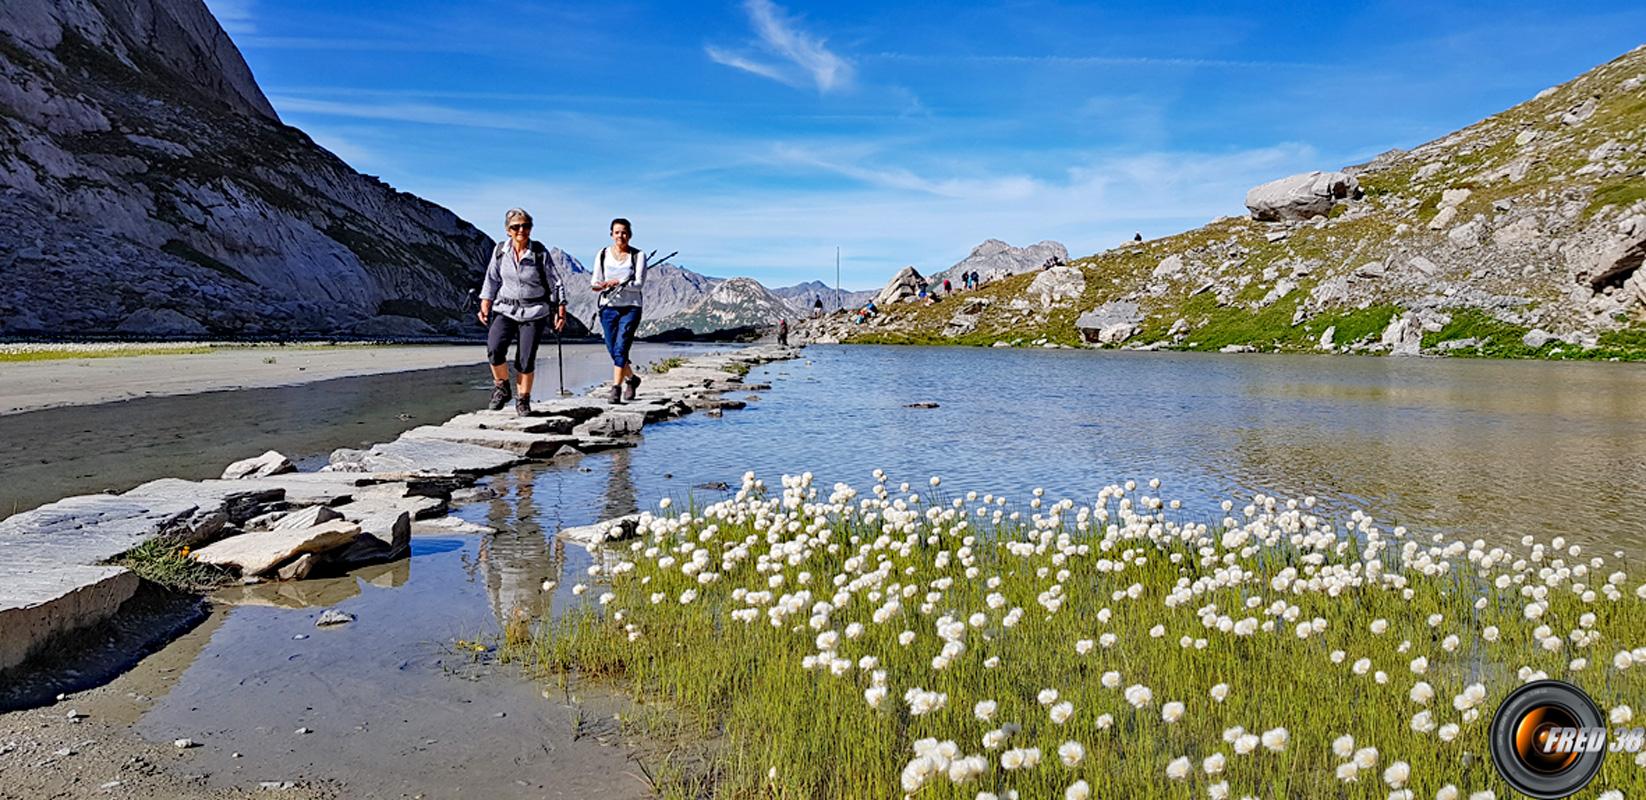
{"x":500,"y":396}
{"x":523,"y":406}
{"x":630,"y":384}
{"x":615,"y":395}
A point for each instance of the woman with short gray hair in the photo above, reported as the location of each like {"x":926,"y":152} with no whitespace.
{"x":522,"y":288}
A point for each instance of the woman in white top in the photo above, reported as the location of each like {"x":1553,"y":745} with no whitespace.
{"x":619,"y":275}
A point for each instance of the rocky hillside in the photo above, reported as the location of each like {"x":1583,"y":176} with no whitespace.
{"x":147,"y":187}
{"x":1521,"y":235}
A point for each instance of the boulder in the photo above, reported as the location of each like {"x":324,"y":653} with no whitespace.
{"x":1403,"y":337}
{"x":1327,"y":338}
{"x":270,"y":463}
{"x":905,"y":285}
{"x":1110,"y":323}
{"x":1621,"y":258}
{"x":1172,"y":265}
{"x":1058,"y":285}
{"x":1536,"y":338}
{"x":1301,"y":197}
{"x":263,"y":553}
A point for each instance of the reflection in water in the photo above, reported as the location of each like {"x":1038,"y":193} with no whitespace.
{"x":516,"y":557}
{"x":620,"y":499}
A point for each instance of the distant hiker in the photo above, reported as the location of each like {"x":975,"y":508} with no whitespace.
{"x":619,"y":275}
{"x":817,"y":308}
{"x":1137,"y":237}
{"x":521,"y":272}
{"x":783,"y":332}
{"x":946,"y":288}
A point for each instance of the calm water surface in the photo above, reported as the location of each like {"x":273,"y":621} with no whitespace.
{"x":1492,"y":449}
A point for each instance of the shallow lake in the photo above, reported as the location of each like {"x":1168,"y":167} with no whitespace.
{"x":1489,"y":449}
{"x":1467,"y":448}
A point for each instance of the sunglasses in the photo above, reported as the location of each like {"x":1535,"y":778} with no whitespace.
{"x":521,"y":226}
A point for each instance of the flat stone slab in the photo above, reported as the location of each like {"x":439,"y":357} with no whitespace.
{"x":508,"y":421}
{"x":260,"y":553}
{"x":431,"y":457}
{"x":37,"y":603}
{"x":530,"y":445}
{"x":613,"y":423}
{"x":577,"y":408}
{"x":597,"y":444}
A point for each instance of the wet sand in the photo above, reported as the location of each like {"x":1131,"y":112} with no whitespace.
{"x":32,"y":385}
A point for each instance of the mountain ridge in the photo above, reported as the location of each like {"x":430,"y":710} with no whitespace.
{"x":1521,"y":235}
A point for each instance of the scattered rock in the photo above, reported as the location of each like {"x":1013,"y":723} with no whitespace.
{"x":1111,"y":323}
{"x":905,"y":285}
{"x":184,"y":744}
{"x":1443,"y":218}
{"x":1403,"y":337}
{"x":1581,"y":113}
{"x":612,"y":530}
{"x":1326,"y":338}
{"x":1058,"y":285}
{"x":1536,"y":338}
{"x":331,"y":617}
{"x":1525,"y":138}
{"x":263,"y":466}
{"x":924,"y":404}
{"x":1169,"y":267}
{"x":302,"y":732}
{"x":260,"y":553}
{"x":715,"y":486}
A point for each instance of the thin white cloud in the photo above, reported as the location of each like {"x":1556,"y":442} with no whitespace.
{"x":891,"y":216}
{"x":800,"y":58}
{"x":1100,"y":61}
{"x":234,"y":15}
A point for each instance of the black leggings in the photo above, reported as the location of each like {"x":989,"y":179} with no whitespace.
{"x":503,"y":331}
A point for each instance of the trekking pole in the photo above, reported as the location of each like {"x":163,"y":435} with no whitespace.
{"x":560,"y":362}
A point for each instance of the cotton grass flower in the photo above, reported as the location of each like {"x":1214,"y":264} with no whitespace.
{"x":1178,"y":769}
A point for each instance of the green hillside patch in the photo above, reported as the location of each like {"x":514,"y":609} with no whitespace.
{"x":1623,"y":191}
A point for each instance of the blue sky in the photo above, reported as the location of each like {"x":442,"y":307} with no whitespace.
{"x":755,"y":136}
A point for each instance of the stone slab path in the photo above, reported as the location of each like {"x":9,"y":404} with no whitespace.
{"x":55,"y":571}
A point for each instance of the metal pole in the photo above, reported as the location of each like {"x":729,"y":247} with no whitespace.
{"x":560,"y":362}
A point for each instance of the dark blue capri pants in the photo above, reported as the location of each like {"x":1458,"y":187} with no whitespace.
{"x":503,"y":331}
{"x":619,"y":324}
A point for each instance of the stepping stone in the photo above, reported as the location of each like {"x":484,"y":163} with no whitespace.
{"x":530,"y":445}
{"x":270,"y":463}
{"x":428,"y":457}
{"x":40,"y":602}
{"x":260,"y":553}
{"x":613,"y":423}
{"x":498,"y":421}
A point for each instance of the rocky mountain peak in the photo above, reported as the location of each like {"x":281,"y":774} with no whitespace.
{"x":162,"y":40}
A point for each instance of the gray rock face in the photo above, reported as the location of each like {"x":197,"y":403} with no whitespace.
{"x":994,"y":259}
{"x":1300,"y":197}
{"x":147,"y":177}
{"x":1111,"y":323}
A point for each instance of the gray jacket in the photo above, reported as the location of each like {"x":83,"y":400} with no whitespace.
{"x":523,"y":289}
